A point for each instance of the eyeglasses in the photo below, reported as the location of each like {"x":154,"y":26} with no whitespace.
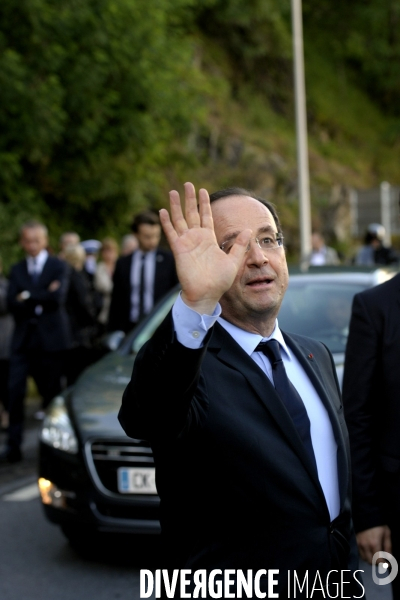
{"x":265,"y":243}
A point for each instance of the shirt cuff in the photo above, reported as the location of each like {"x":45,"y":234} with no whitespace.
{"x":190,"y":326}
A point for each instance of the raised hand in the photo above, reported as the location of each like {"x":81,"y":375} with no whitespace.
{"x":204,"y":270}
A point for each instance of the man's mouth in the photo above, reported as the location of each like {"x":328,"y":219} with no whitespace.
{"x":260,"y":282}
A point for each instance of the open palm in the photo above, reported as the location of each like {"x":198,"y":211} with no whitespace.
{"x":204,"y":270}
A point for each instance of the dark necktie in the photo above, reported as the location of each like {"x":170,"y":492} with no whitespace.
{"x":141,"y":288}
{"x":288,"y":394}
{"x":34,"y":274}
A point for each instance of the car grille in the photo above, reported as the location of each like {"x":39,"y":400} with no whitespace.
{"x":107,"y":456}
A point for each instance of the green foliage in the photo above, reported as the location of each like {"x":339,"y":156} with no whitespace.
{"x":107,"y":104}
{"x":257,"y":36}
{"x":366,"y":38}
{"x":92,"y":94}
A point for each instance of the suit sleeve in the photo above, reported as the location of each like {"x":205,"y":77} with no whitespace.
{"x":157,"y":402}
{"x":361,"y":368}
{"x":50,"y":301}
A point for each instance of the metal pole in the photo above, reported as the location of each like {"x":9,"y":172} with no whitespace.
{"x":385,"y":212}
{"x":301,"y":133}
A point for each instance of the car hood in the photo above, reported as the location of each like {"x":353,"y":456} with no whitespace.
{"x":97,"y":395}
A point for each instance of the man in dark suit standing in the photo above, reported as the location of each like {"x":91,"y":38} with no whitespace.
{"x":36,"y":295}
{"x":245,"y":421}
{"x":141,"y":278}
{"x":371,"y":399}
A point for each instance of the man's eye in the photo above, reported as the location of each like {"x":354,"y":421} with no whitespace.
{"x":267,"y":241}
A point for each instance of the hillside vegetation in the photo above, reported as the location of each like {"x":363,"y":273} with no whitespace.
{"x":108,"y":104}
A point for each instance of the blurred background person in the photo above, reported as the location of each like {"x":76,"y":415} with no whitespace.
{"x":103,"y":277}
{"x":321,"y":254}
{"x":92,"y":249}
{"x":69,"y":238}
{"x":374,"y":252}
{"x":36,"y":298}
{"x":6,"y":331}
{"x":141,"y":278}
{"x":81,"y":311}
{"x":129,"y":244}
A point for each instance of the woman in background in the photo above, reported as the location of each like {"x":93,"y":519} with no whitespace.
{"x":103,"y":277}
{"x":81,"y":310}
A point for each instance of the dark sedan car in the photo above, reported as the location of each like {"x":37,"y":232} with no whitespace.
{"x":94,"y":478}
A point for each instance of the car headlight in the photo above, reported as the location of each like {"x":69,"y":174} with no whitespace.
{"x":57,"y":430}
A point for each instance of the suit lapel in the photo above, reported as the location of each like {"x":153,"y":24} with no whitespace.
{"x":126,"y":270}
{"x":313,"y":371}
{"x":229,"y":352}
{"x":158,"y":273}
{"x":25,"y":272}
{"x":26,"y":275}
{"x":46,"y":268}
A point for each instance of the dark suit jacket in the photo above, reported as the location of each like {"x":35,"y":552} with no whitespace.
{"x":237,"y":488}
{"x":120,"y":308}
{"x":51,"y":328}
{"x":81,"y":308}
{"x":371,"y":398}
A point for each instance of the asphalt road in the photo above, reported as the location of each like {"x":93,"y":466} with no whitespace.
{"x":36,"y":561}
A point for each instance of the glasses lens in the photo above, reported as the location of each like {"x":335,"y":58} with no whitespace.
{"x":266,"y":243}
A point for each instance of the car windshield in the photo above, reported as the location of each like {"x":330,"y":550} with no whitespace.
{"x":155,"y":320}
{"x":319,"y":309}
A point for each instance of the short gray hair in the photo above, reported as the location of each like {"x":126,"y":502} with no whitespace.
{"x":32,"y":224}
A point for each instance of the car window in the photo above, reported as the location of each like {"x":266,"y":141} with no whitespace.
{"x":159,"y":315}
{"x":320,"y":310}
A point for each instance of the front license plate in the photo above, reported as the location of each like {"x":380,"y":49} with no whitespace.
{"x":138,"y":480}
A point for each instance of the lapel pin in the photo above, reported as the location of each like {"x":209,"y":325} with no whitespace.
{"x":310,"y":356}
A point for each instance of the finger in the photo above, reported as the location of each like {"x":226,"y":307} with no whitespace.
{"x":177,"y":218}
{"x":387,"y":541}
{"x":167,"y":226}
{"x":205,"y":210}
{"x":239,"y":248}
{"x":191,"y":210}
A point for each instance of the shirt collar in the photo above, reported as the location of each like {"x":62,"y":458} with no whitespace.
{"x":143,"y":254}
{"x":249,"y":341}
{"x":38,"y":260}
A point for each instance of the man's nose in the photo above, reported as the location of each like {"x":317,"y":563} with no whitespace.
{"x":255,"y":254}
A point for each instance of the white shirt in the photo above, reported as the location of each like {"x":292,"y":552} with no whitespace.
{"x":36,"y":264}
{"x":191,"y":329}
{"x":149,"y":274}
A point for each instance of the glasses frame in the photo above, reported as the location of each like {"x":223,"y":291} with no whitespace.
{"x":278,"y":238}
